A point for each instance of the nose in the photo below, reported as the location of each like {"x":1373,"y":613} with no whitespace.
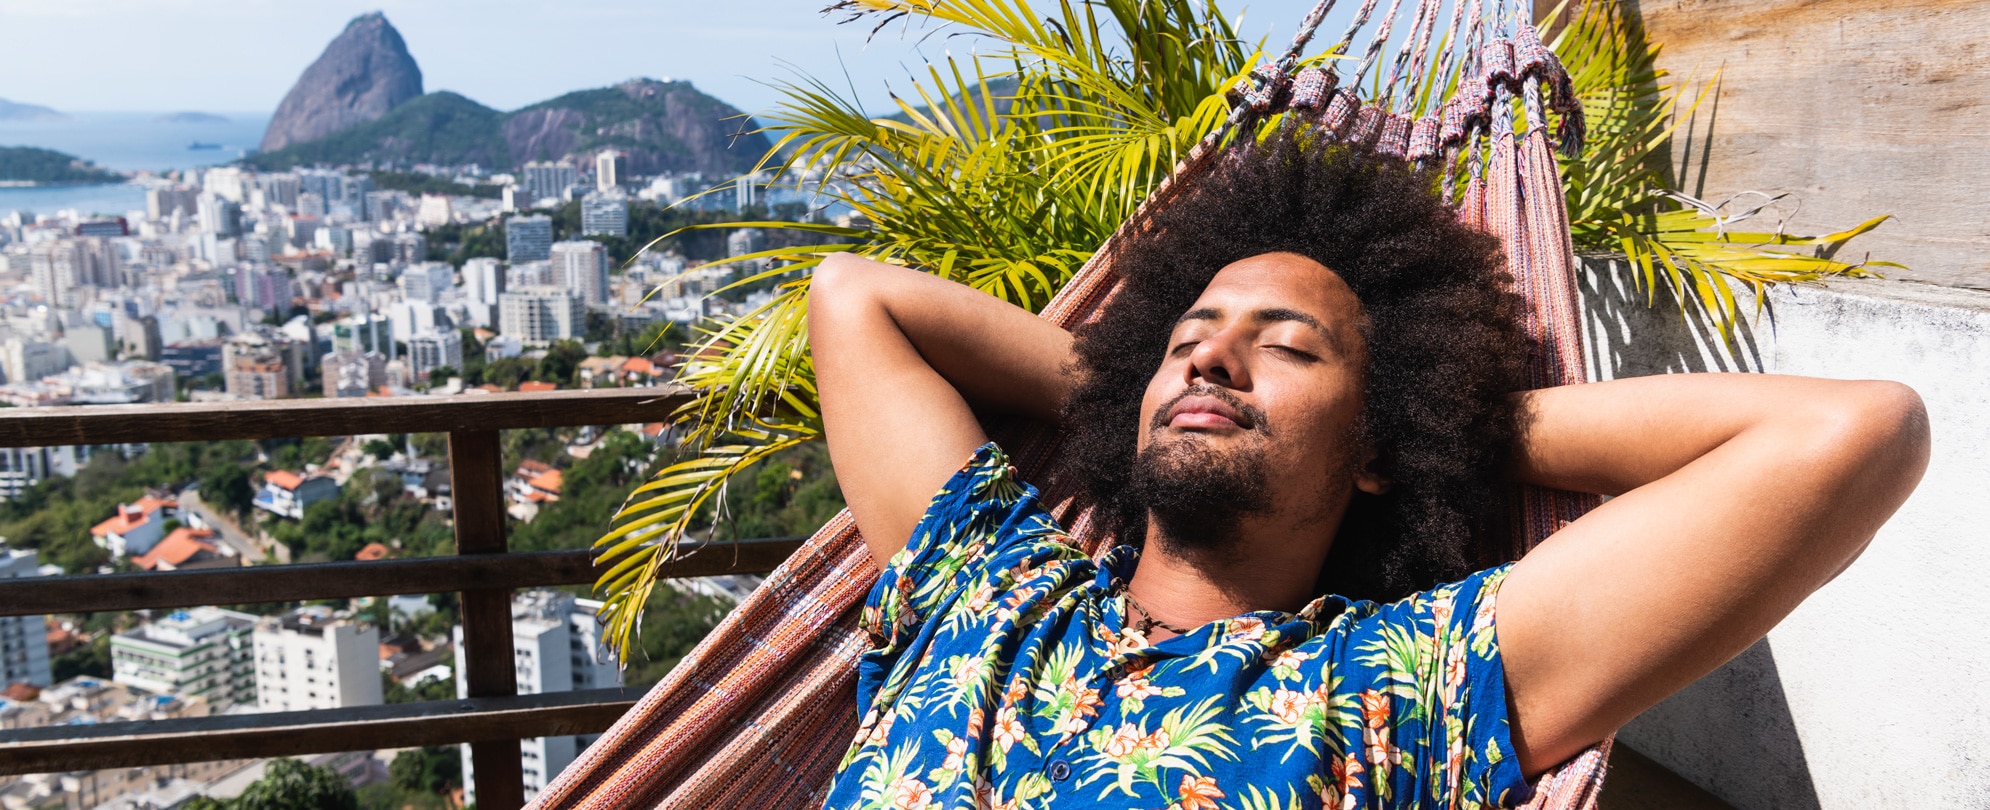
{"x":1220,"y":359}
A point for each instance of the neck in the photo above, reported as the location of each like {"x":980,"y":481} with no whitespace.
{"x":1269,"y":564}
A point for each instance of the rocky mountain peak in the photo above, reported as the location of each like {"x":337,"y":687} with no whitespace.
{"x":362,"y":74}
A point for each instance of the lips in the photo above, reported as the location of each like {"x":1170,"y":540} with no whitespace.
{"x":1205,"y":413}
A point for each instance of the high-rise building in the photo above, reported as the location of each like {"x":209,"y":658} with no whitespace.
{"x":611,"y":170}
{"x":557,"y":647}
{"x":582,"y":266}
{"x":312,"y":658}
{"x":262,"y":364}
{"x":59,"y":269}
{"x":220,"y":216}
{"x":434,"y":349}
{"x":279,"y":189}
{"x":162,"y":201}
{"x":24,"y":467}
{"x":483,"y":281}
{"x":201,"y":652}
{"x":353,"y":374}
{"x":605,"y":213}
{"x":549,"y":179}
{"x":541,"y":315}
{"x":515,"y":198}
{"x":23,"y":639}
{"x":427,"y":282}
{"x":433,"y":211}
{"x":528,"y":238}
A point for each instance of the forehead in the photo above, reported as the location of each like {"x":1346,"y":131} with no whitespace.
{"x":1284,"y":281}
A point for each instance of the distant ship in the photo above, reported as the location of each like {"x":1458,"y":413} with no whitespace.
{"x":200,"y":145}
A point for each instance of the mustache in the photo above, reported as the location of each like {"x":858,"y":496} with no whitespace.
{"x":1251,"y":413}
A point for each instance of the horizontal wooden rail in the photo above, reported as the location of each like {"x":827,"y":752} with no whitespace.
{"x":293,"y":583}
{"x":56,"y":749}
{"x":282,"y":418}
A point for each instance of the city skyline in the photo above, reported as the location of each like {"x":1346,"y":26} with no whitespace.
{"x":243,"y":55}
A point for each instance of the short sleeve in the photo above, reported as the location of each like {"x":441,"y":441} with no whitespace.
{"x":1432,"y":695}
{"x":983,"y":512}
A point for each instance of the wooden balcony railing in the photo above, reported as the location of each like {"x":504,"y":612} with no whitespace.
{"x":492,"y":720}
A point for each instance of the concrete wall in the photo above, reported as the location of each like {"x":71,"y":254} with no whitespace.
{"x":1876,"y":692}
{"x":1860,"y":108}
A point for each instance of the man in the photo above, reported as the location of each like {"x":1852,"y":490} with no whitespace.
{"x":1306,"y":390}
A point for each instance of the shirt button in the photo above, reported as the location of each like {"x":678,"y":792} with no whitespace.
{"x":1060,"y":770}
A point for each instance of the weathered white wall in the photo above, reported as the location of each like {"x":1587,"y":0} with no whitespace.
{"x":1876,"y":692}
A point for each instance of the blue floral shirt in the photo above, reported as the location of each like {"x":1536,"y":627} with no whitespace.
{"x":1005,"y":676}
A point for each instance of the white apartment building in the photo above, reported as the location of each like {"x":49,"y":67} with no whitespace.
{"x":434,"y":349}
{"x":541,"y":315}
{"x":427,"y":282}
{"x":313,"y":658}
{"x":556,"y":647}
{"x":582,"y":266}
{"x":605,"y":213}
{"x":204,"y":652}
{"x":611,"y":169}
{"x":23,"y":467}
{"x":483,"y":281}
{"x":23,"y":639}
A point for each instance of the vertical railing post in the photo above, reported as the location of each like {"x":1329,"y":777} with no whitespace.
{"x":476,"y":474}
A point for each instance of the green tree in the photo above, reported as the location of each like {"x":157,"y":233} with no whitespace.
{"x":561,"y":361}
{"x":227,"y":487}
{"x":429,"y":688}
{"x":379,"y":448}
{"x":92,"y":659}
{"x":291,"y":785}
{"x":508,"y":372}
{"x":432,"y":769}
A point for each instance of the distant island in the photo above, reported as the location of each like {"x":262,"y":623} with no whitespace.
{"x":29,"y":165}
{"x":190,"y":118}
{"x":11,"y":111}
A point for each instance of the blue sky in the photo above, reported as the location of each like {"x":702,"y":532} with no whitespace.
{"x":242,"y":55}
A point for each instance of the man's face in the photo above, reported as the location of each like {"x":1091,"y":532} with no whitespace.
{"x":1253,"y":409}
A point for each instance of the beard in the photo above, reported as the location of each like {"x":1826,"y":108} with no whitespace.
{"x":1196,"y":494}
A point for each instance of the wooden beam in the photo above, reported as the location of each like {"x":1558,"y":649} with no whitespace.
{"x":476,"y":469}
{"x":55,"y":749}
{"x":278,"y":418}
{"x":90,"y":593}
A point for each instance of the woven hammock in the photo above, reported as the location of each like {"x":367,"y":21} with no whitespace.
{"x":760,"y":713}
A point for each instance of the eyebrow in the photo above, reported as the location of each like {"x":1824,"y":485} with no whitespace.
{"x":1272,"y":315}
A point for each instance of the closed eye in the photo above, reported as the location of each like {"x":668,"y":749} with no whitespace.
{"x":1183,"y":348}
{"x":1295,"y":354}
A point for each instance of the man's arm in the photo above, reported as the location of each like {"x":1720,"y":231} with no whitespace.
{"x":903,"y":360}
{"x":1737,"y":495}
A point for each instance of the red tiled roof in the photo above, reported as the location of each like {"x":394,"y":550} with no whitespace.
{"x":653,"y":429}
{"x":548,"y":481}
{"x":22,"y":692}
{"x":532,"y":467}
{"x":177,"y":548}
{"x":131,"y":516}
{"x":372,"y":551}
{"x":537,"y":386}
{"x":283,"y":478}
{"x":639,"y":365}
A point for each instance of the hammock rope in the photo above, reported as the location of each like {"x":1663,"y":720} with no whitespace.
{"x":759,"y":714}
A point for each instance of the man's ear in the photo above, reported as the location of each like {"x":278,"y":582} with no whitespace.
{"x":1368,"y":476}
